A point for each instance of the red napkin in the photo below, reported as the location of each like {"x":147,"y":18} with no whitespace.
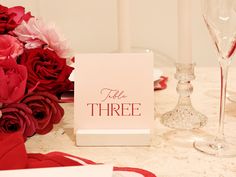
{"x":13,"y":156}
{"x":161,"y":83}
{"x":12,"y":152}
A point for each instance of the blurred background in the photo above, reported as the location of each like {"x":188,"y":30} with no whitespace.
{"x":91,"y":26}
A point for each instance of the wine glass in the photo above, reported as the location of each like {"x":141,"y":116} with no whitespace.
{"x":220,"y":19}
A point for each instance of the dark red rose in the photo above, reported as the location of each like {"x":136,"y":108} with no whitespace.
{"x":13,"y":78}
{"x":46,"y":110}
{"x":17,"y":117}
{"x":6,"y":21}
{"x":46,"y":71}
{"x":10,"y":18}
{"x":19,"y":14}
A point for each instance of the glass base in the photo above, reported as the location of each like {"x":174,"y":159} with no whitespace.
{"x":183,"y":138}
{"x":184,"y":117}
{"x":217,"y":148}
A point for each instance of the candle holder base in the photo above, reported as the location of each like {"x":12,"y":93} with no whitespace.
{"x":184,"y":116}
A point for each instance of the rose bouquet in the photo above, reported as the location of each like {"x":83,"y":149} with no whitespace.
{"x":34,"y":73}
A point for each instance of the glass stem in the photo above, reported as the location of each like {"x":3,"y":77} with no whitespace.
{"x":224,"y":66}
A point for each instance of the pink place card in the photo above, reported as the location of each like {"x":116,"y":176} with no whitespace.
{"x":113,"y":99}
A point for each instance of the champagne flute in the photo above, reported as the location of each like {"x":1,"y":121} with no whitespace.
{"x":220,"y":19}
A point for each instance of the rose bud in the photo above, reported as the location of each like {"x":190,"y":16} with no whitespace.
{"x":46,"y":71}
{"x":17,"y":117}
{"x":46,"y":110}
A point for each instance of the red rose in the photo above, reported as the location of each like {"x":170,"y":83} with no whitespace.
{"x":46,"y":71}
{"x":19,"y":14}
{"x":6,"y":21}
{"x":12,"y":81}
{"x":17,"y":118}
{"x":46,"y":110}
{"x":12,"y":17}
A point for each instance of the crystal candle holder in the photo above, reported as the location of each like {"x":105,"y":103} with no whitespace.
{"x":184,"y":116}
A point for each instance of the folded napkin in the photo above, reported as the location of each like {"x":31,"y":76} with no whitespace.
{"x":13,"y":155}
{"x":161,"y":83}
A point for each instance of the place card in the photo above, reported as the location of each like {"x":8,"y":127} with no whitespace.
{"x":75,"y":171}
{"x":114,"y":99}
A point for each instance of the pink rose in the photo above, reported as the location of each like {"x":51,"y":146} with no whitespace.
{"x":10,"y":47}
{"x":17,"y":117}
{"x":36,"y":34}
{"x":13,"y":78}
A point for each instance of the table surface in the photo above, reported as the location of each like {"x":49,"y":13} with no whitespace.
{"x":171,"y":153}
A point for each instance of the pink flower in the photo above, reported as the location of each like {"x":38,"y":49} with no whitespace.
{"x":35,"y":33}
{"x":10,"y":47}
{"x":13,"y":79}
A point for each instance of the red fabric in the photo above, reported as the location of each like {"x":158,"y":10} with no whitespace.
{"x":136,"y":170}
{"x":14,"y":156}
{"x":12,"y":152}
{"x":161,"y":83}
